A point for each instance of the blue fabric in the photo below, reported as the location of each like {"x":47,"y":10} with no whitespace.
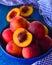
{"x":17,"y":2}
{"x":45,"y":61}
{"x":45,"y":7}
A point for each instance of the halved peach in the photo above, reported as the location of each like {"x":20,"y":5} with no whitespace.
{"x":26,"y":10}
{"x":22,"y":37}
{"x":12,"y":13}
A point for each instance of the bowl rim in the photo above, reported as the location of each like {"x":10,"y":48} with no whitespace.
{"x":28,"y":60}
{"x":23,"y":59}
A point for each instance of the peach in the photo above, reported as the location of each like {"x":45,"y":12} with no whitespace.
{"x":12,"y":13}
{"x":18,"y":22}
{"x":45,"y":43}
{"x":31,"y":51}
{"x":26,"y":10}
{"x":13,"y":49}
{"x":22,"y":37}
{"x":7,"y":35}
{"x":37,"y":29}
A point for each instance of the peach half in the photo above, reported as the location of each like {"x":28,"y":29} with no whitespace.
{"x":12,"y":13}
{"x":26,"y":10}
{"x":22,"y":37}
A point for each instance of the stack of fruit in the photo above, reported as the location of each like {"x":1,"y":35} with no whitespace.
{"x":24,"y":38}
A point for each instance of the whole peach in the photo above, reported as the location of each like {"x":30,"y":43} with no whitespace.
{"x":13,"y":49}
{"x":7,"y":35}
{"x":18,"y":22}
{"x":31,"y":51}
{"x":37,"y":29}
{"x":45,"y":43}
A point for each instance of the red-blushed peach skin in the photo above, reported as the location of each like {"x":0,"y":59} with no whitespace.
{"x":31,"y":51}
{"x":18,"y":22}
{"x":13,"y":49}
{"x":7,"y":35}
{"x":37,"y":29}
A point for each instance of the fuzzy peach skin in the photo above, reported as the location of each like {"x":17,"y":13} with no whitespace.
{"x":18,"y":22}
{"x":37,"y":29}
{"x":31,"y":51}
{"x":45,"y":43}
{"x":13,"y":49}
{"x":7,"y":35}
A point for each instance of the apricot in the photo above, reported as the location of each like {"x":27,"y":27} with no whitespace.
{"x":46,"y":30}
{"x":7,"y":35}
{"x":45,"y":43}
{"x":22,"y":37}
{"x":31,"y":51}
{"x":19,"y":22}
{"x":26,"y":10}
{"x":13,"y":49}
{"x":37,"y":29}
{"x":12,"y":13}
